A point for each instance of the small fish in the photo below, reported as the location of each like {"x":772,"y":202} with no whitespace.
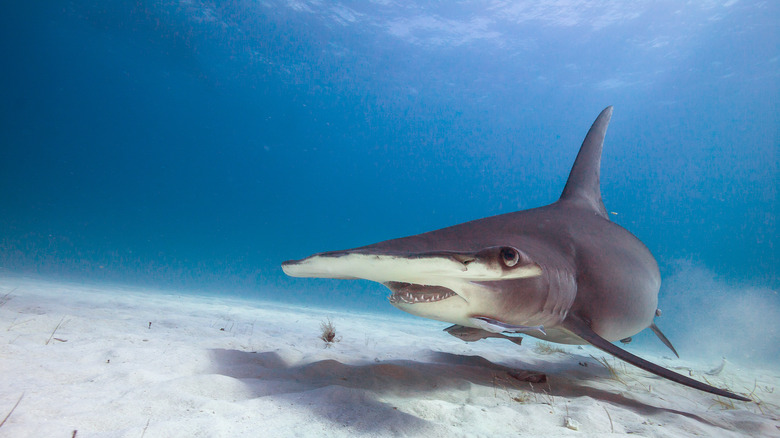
{"x":470,"y":334}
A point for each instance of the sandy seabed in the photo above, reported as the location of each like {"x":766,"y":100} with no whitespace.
{"x":95,"y":361}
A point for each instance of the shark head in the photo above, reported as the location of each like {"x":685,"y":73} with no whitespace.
{"x":447,"y":275}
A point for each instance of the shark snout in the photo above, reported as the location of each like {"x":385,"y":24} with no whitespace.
{"x":380,"y":267}
{"x":428,"y":268}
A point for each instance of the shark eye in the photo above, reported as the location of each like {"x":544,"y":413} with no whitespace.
{"x":509,"y":256}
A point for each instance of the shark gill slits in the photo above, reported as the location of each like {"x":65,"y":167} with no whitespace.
{"x":509,"y":256}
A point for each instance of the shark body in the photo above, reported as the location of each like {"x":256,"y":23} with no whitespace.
{"x":562,"y":272}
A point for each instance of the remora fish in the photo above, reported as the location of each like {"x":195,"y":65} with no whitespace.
{"x":563,"y":272}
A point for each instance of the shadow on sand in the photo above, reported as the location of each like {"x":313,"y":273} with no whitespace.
{"x":360,"y":397}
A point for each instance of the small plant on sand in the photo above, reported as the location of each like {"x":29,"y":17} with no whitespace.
{"x":723,"y":404}
{"x":547,"y":348}
{"x":505,"y":384}
{"x":328,"y":333}
{"x":763,"y":407}
{"x":613,"y":373}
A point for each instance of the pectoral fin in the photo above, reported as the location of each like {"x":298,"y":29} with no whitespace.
{"x":581,"y":328}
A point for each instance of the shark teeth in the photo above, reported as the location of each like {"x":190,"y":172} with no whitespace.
{"x":409,"y":293}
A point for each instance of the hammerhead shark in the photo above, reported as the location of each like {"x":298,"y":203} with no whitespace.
{"x":563,"y":272}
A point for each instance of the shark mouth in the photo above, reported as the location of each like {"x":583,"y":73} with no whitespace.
{"x":409,"y":293}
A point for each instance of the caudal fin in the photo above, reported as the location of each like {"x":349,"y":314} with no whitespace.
{"x":582,"y":329}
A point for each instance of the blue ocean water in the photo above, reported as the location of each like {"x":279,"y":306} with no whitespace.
{"x":198,"y":144}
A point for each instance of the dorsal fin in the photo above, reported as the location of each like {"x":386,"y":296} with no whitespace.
{"x":582,"y":188}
